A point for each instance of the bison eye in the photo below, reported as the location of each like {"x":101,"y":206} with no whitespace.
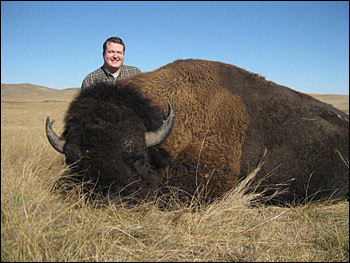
{"x":139,"y":161}
{"x":133,"y":158}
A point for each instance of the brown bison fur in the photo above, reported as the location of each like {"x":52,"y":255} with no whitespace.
{"x":227,"y":121}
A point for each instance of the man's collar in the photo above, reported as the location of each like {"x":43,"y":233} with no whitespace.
{"x":109,"y":73}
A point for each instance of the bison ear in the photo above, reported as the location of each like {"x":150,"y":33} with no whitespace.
{"x":159,"y":136}
{"x":56,"y":142}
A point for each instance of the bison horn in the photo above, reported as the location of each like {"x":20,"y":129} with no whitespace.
{"x":56,"y":141}
{"x":159,"y":136}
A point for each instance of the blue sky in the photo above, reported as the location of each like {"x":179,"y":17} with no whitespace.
{"x":301,"y":45}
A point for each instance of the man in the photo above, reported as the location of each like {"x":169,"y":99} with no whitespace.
{"x":113,"y":68}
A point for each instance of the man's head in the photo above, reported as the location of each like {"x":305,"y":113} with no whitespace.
{"x":113,"y":53}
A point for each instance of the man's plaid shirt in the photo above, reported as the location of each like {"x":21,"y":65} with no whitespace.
{"x":103,"y":75}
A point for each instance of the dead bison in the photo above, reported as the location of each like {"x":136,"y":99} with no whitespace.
{"x":227,"y":120}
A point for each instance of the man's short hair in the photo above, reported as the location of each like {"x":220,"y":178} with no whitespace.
{"x":116,"y":40}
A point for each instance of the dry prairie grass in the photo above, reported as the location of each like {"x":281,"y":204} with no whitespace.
{"x":40,"y":224}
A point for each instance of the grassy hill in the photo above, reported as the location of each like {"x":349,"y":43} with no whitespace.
{"x":26,"y":92}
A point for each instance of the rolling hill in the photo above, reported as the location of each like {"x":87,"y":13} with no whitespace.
{"x":26,"y":92}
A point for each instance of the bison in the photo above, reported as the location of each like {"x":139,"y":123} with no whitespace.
{"x":223,"y":121}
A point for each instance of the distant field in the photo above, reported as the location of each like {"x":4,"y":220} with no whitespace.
{"x":39,"y":224}
{"x":341,"y":102}
{"x":33,"y":93}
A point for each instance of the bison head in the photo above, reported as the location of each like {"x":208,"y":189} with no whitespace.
{"x":110,"y":138}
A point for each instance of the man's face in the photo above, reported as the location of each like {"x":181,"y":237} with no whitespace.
{"x":114,"y":55}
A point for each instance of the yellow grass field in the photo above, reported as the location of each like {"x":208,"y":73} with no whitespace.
{"x":38,"y":223}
